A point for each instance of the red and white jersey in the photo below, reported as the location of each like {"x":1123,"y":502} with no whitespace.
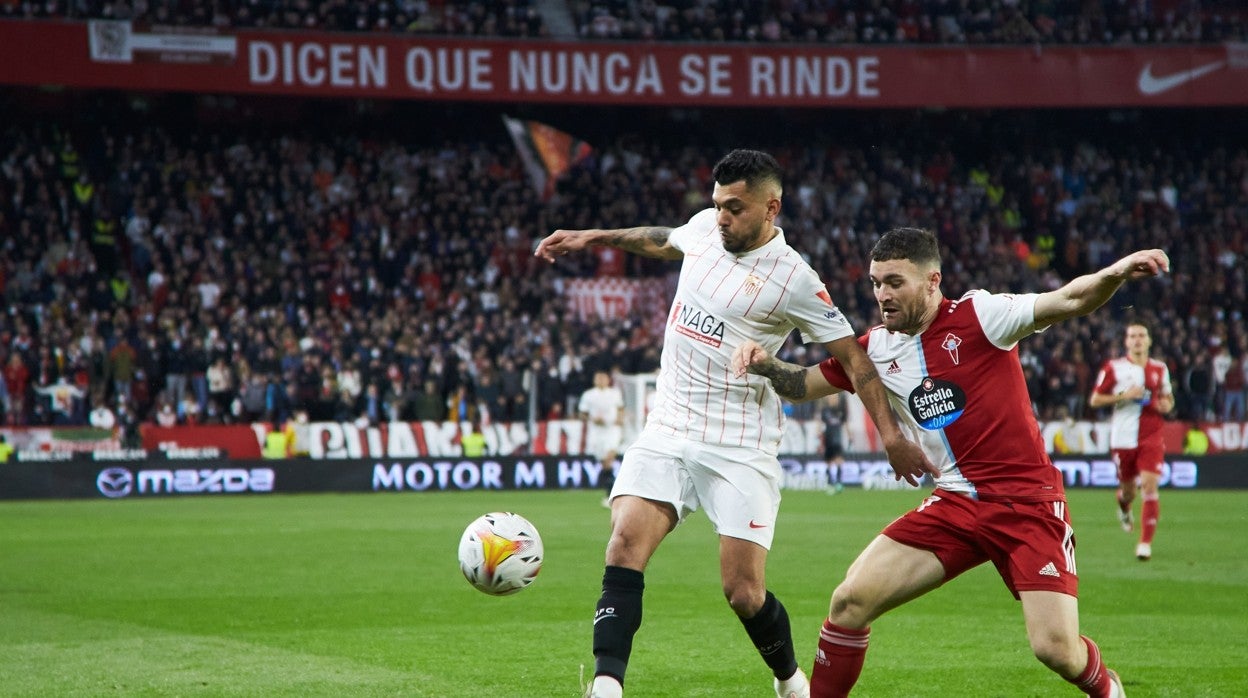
{"x":959,"y":391}
{"x":722,"y":300}
{"x":1134,"y":422}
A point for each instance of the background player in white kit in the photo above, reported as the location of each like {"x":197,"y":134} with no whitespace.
{"x":602,"y":408}
{"x":711,"y":440}
{"x":952,"y":371}
{"x":1139,"y":390}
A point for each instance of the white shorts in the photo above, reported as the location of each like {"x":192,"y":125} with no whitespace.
{"x":599,"y":441}
{"x":738,"y":487}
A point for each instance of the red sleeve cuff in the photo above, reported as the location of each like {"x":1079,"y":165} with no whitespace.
{"x":835,"y":374}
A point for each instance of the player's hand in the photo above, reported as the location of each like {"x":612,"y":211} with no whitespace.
{"x":559,"y":243}
{"x":744,"y":357}
{"x":1135,"y":392}
{"x":1143,"y":264}
{"x":909,"y":462}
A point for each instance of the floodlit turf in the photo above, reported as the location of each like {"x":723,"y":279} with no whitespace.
{"x":360,"y":595}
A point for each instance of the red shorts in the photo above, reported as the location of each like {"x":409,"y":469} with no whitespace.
{"x":1031,"y":543}
{"x":1146,"y":458}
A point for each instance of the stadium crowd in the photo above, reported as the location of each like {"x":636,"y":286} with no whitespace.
{"x":829,"y":21}
{"x":499,"y":18}
{"x":252,"y":272}
{"x":914,"y":21}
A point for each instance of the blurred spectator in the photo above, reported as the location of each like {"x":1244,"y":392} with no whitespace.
{"x":128,"y":420}
{"x":166,"y":415}
{"x":1068,"y":438}
{"x":17,"y":383}
{"x":102,"y":417}
{"x":1233,"y":390}
{"x":252,"y":398}
{"x":220,"y":380}
{"x":66,"y":401}
{"x":1198,"y":386}
{"x":472,"y":441}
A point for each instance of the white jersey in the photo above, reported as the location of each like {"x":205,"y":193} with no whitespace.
{"x":602,"y":406}
{"x":722,"y":300}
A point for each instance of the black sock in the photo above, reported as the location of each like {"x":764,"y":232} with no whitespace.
{"x":769,"y":631}
{"x":616,"y":620}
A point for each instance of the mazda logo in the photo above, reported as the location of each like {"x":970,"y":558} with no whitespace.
{"x":114,"y":482}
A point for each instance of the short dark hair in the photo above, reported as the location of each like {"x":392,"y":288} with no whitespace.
{"x":753,"y":167}
{"x":914,"y":244}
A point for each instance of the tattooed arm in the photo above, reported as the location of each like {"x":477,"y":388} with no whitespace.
{"x":647,"y":241}
{"x":792,"y":382}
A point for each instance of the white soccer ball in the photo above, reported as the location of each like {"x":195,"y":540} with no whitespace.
{"x":500,"y":553}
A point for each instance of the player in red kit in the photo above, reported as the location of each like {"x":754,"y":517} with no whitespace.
{"x":1139,"y":390}
{"x":951,"y":370}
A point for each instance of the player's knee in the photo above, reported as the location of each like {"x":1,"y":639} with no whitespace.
{"x":1060,"y":654}
{"x":626,"y":549}
{"x":848,"y":608}
{"x":745,"y":599}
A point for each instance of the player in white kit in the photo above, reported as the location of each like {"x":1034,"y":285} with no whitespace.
{"x":602,"y":408}
{"x":711,"y":440}
{"x":952,"y":372}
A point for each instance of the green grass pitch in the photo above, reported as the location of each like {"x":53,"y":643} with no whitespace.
{"x":360,"y":595}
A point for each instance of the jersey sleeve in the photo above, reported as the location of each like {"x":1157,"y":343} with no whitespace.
{"x":1166,"y":388}
{"x":1105,"y":380}
{"x":835,"y":373}
{"x":685,"y":236}
{"x":811,"y":309}
{"x":1005,"y":317}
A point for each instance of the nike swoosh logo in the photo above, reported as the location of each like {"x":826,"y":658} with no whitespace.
{"x":1150,"y":84}
{"x":757,"y":525}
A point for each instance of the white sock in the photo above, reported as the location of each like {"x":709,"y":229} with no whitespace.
{"x":606,"y":687}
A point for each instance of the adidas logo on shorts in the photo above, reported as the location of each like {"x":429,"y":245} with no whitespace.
{"x":1050,"y":570}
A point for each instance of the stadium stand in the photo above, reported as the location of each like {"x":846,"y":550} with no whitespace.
{"x":780,"y":21}
{"x":352,"y":268}
{"x":503,"y":18}
{"x":914,"y":21}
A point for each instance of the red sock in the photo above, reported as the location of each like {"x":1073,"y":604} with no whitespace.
{"x":1149,"y":511}
{"x":838,"y":661}
{"x":1094,"y":680}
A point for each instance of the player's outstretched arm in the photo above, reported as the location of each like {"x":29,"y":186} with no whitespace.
{"x":1090,"y":291}
{"x":647,"y":241}
{"x":792,"y":382}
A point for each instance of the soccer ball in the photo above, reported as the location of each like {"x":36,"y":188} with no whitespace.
{"x":500,"y":553}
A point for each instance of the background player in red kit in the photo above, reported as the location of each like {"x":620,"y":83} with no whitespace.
{"x":1139,"y":389}
{"x":953,"y":377}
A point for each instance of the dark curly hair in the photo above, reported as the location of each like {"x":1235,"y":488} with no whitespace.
{"x":754,"y":167}
{"x":914,"y":244}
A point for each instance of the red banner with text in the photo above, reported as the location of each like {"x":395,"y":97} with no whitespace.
{"x":118,"y":54}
